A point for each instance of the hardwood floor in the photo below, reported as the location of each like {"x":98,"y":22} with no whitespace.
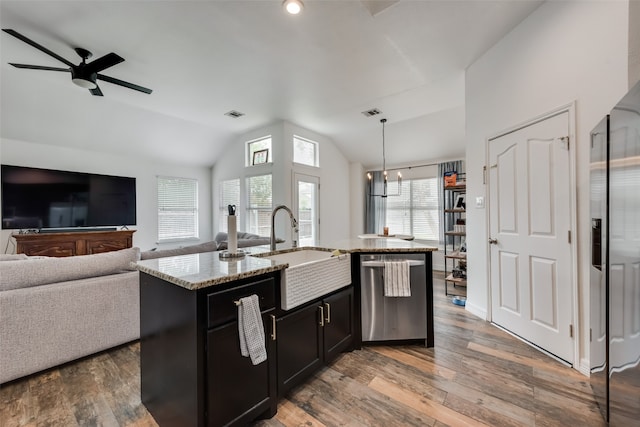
{"x":475,"y":375}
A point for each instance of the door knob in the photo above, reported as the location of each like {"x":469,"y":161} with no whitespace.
{"x":493,"y":241}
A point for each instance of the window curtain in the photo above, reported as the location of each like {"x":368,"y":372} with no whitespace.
{"x":444,"y":196}
{"x":375,"y":207}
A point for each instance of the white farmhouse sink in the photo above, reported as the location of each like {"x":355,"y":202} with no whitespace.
{"x":311,"y":274}
{"x":300,"y":256}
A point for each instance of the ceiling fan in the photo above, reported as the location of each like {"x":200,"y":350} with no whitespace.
{"x":84,"y":74}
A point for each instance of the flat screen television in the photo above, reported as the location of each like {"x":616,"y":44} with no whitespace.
{"x":35,"y":198}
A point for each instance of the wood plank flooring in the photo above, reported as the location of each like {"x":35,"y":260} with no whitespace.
{"x":476,"y":375}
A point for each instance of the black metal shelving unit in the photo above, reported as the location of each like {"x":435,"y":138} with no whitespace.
{"x":455,"y":254}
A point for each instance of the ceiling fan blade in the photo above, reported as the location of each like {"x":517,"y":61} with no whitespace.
{"x":37,"y":46}
{"x":39,"y":67}
{"x":104,"y":62}
{"x":123,"y":83}
{"x":96,"y":91}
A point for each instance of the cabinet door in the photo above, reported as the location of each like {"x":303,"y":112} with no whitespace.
{"x":338,"y":324}
{"x":54,"y":249}
{"x":299,"y":343}
{"x":238,"y":391}
{"x":106,"y":245}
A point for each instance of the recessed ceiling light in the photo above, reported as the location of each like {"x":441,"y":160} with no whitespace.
{"x":294,"y":7}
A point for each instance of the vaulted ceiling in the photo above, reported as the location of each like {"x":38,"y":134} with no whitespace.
{"x":319,"y":70}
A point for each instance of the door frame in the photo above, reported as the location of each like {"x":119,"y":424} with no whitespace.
{"x":569,"y":108}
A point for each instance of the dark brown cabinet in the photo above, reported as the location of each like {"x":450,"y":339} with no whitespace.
{"x":73,"y":243}
{"x":299,"y":342}
{"x":312,"y":336}
{"x":238,"y":391}
{"x":339,"y":324}
{"x":192,"y":372}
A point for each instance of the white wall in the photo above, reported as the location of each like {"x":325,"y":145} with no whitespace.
{"x":634,"y":42}
{"x":333,"y":173}
{"x":356,"y":196}
{"x":564,"y":51}
{"x":51,"y":157}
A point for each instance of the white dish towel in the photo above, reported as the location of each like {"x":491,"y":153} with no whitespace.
{"x":250,"y":330}
{"x":397,"y":282}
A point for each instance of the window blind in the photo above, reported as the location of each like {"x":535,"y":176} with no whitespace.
{"x":177,"y":208}
{"x":415,"y":211}
{"x":259,"y":204}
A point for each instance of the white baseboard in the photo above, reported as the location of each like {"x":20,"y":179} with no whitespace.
{"x":585,"y":367}
{"x":476,"y":311}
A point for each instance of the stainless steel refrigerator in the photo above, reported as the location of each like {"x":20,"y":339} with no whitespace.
{"x":615,"y":262}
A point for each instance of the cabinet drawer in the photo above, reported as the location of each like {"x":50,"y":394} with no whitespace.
{"x":221,"y":307}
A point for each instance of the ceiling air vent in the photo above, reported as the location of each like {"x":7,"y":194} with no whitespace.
{"x":372,"y":112}
{"x":233,"y":113}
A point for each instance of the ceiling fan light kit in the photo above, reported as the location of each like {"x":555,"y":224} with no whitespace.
{"x":84,"y":74}
{"x":84,"y":83}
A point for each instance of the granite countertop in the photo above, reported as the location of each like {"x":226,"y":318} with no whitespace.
{"x":201,"y":270}
{"x":206,"y":269}
{"x":381,"y":245}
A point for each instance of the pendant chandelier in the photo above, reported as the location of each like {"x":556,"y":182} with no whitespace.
{"x":384,"y":173}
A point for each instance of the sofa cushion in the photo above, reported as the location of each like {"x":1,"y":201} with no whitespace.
{"x":193,"y":249}
{"x":245,"y":243}
{"x":36,"y":272}
{"x":244,"y":240}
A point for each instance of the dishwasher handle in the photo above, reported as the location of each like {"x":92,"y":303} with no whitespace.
{"x":373,"y":264}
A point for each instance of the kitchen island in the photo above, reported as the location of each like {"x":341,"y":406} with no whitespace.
{"x":192,"y":372}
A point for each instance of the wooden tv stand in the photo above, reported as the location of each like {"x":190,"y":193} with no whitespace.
{"x":73,"y":242}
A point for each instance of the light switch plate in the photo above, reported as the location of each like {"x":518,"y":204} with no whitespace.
{"x":480,"y":202}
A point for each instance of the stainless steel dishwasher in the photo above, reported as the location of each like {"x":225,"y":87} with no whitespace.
{"x":393,"y":318}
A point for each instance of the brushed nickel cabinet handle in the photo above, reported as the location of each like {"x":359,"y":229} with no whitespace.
{"x":321,"y":315}
{"x":328,"y":307}
{"x":273,"y":327}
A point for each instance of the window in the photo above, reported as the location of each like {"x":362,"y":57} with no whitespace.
{"x":229,"y":195}
{"x":306,"y":201}
{"x":415,"y":211}
{"x":177,"y":209}
{"x":259,"y":205}
{"x":256,"y":153}
{"x":305,"y":151}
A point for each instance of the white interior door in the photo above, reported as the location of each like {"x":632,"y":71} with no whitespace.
{"x":530,"y":223}
{"x":306,"y":199}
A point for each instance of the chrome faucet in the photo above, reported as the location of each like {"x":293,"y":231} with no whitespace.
{"x":294,"y":225}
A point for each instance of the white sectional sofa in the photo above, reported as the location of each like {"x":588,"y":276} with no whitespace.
{"x":55,"y":310}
